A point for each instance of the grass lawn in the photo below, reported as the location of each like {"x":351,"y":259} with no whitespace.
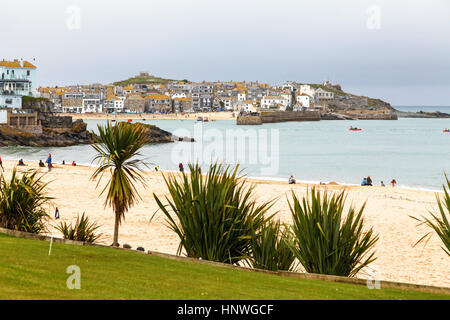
{"x":28,"y":272}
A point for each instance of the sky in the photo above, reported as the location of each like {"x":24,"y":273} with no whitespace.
{"x":397,"y":50}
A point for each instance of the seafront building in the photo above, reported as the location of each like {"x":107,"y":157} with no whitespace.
{"x":16,"y":80}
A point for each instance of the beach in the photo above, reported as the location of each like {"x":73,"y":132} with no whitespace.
{"x":388,"y":211}
{"x":225,"y":115}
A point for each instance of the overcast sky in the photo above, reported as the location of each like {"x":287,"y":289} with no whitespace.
{"x":396,"y":50}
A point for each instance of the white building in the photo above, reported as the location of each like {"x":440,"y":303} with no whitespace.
{"x":92,"y":103}
{"x":304,"y":100}
{"x":322,"y":95}
{"x":278,"y":102}
{"x":16,"y":80}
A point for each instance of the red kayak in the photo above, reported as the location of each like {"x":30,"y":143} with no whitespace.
{"x":445,"y":130}
{"x":355,"y":129}
{"x":129,"y":120}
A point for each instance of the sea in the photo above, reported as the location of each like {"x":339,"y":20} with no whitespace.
{"x":414,"y":152}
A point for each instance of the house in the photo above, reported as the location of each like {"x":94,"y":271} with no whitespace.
{"x":304,"y":100}
{"x":16,"y":80}
{"x":158,"y":103}
{"x":92,"y":102}
{"x":247,"y":106}
{"x":72,"y":102}
{"x":135,"y":103}
{"x":322,"y":95}
{"x":274,"y":102}
{"x":182,"y":105}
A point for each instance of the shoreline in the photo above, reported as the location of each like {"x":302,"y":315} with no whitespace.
{"x":258,"y":179}
{"x":388,"y":211}
{"x":212,"y":116}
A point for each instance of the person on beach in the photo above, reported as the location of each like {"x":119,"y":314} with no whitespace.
{"x":49,"y":162}
{"x":21,"y":163}
{"x":74,"y":164}
{"x":180,"y":166}
{"x":369,"y":181}
{"x":291,"y":180}
{"x":156,"y":168}
{"x":364,"y":182}
{"x":1,"y":164}
{"x":41,"y":164}
{"x":382,"y":184}
{"x":393,"y":183}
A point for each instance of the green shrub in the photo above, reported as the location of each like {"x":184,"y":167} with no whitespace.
{"x":216,"y":213}
{"x":82,"y":230}
{"x":22,"y":202}
{"x":270,"y":248}
{"x":326,"y":241}
{"x":440,"y":225}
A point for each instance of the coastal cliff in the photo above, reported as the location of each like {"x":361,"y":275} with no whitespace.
{"x":50,"y":137}
{"x":59,"y":136}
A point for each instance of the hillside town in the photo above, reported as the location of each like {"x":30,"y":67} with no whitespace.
{"x":146,"y":93}
{"x":182,"y":96}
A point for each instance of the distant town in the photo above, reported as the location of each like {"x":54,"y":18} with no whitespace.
{"x":146,"y":93}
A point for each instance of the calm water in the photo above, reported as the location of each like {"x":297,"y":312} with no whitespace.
{"x":413,"y":151}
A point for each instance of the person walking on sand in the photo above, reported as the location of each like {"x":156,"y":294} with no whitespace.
{"x":49,"y":162}
{"x":393,"y":183}
{"x":1,"y":164}
{"x":180,"y":166}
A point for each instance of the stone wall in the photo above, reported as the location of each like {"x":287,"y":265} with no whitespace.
{"x":249,"y":120}
{"x":279,"y":116}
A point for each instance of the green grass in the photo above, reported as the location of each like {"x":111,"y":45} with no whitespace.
{"x":141,"y":80}
{"x":27,"y":272}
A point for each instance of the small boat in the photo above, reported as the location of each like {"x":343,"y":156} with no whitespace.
{"x":446,"y":130}
{"x":130,"y":120}
{"x":355,"y":129}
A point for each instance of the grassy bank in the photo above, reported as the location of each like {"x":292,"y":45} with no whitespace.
{"x":28,"y":272}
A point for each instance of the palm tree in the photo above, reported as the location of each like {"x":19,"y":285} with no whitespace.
{"x":117,"y":148}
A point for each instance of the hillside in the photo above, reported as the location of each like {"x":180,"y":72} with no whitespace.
{"x":142,"y":80}
{"x":351,"y":103}
{"x":28,"y":272}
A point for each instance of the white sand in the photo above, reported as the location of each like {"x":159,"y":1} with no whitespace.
{"x":387,"y":210}
{"x":225,"y":115}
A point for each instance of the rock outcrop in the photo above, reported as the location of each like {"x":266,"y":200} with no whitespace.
{"x":12,"y":136}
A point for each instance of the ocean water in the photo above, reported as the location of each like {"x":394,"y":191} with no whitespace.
{"x":415,"y":152}
{"x":425,"y":109}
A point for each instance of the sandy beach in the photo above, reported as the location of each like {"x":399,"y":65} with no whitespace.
{"x":388,"y":210}
{"x":226,"y":115}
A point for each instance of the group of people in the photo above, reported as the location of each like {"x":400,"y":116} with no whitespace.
{"x":49,"y":163}
{"x":368,"y":182}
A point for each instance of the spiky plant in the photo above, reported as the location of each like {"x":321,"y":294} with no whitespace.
{"x":215,"y":213}
{"x":117,"y":150}
{"x":270,"y":248}
{"x":439,"y":223}
{"x":22,"y":201}
{"x":82,"y":230}
{"x":327,"y":239}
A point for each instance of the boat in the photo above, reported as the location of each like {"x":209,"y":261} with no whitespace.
{"x":355,"y":129}
{"x":130,"y":120}
{"x":446,"y":130}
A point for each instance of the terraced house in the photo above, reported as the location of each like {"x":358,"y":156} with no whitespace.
{"x":159,"y":103}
